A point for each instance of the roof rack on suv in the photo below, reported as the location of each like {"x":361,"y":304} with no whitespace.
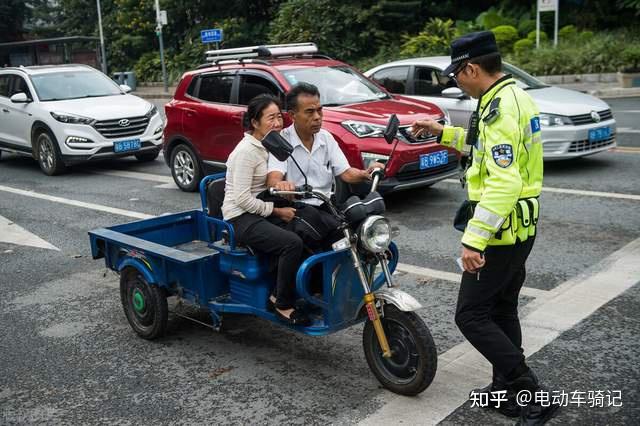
{"x":268,"y":51}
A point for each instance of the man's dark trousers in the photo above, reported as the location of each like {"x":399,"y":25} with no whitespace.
{"x":487,"y":311}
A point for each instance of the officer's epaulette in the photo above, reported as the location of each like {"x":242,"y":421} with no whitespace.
{"x":494,"y":112}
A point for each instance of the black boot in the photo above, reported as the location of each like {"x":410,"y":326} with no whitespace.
{"x":510,"y":408}
{"x":533,"y":413}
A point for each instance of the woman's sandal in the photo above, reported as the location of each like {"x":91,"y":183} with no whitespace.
{"x":296,"y":317}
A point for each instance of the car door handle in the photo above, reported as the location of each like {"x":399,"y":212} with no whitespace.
{"x":190,"y":113}
{"x":5,"y":110}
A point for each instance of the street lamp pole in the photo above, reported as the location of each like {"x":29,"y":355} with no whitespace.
{"x":103,"y":54}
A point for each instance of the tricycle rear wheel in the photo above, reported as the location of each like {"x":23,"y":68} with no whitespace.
{"x":144,"y":305}
{"x":414,"y":360}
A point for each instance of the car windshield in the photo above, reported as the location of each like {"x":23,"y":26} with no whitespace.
{"x":337,"y":85}
{"x":57,"y":86}
{"x":523,"y":80}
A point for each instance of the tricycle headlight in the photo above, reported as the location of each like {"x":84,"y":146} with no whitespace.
{"x":375,"y":234}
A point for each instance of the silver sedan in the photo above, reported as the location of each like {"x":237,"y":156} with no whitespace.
{"x":574,"y":124}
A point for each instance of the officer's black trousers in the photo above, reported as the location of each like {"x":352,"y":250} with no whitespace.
{"x":487,"y":311}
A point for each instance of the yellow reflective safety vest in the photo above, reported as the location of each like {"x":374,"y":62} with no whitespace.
{"x":505,"y":176}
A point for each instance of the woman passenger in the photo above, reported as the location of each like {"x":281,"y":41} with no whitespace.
{"x":251,"y":217}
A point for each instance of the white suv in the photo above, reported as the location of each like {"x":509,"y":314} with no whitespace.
{"x":67,"y":114}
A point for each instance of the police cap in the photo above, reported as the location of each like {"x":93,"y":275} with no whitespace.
{"x":470,"y":46}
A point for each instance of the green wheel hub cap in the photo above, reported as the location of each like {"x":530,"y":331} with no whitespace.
{"x":138,"y":301}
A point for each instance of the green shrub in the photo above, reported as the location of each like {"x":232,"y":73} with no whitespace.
{"x":586,"y":36}
{"x":543,"y":36}
{"x":506,"y":36}
{"x":494,"y":18}
{"x":466,"y":27}
{"x":631,"y":57}
{"x":149,"y":68}
{"x":525,"y":26}
{"x":568,"y":32}
{"x":435,"y":39}
{"x":523,"y":46}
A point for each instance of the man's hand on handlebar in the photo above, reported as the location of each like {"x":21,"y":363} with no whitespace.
{"x":285,"y":213}
{"x":373,"y":166}
{"x":421,"y":127}
{"x":284,"y":185}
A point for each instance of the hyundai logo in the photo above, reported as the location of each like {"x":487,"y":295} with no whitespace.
{"x":124,"y":122}
{"x":595,"y":116}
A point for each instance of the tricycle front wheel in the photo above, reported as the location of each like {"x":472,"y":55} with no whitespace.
{"x":414,"y":360}
{"x":144,"y":305}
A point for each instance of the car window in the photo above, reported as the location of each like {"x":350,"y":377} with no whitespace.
{"x":252,"y":86}
{"x":20,"y":86}
{"x":393,"y":79}
{"x":191,"y":90}
{"x":5,"y":84}
{"x":216,"y":88}
{"x":429,"y":82}
{"x":73,"y":84}
{"x":523,"y":80}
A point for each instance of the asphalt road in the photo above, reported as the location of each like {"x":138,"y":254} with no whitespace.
{"x":68,"y":354}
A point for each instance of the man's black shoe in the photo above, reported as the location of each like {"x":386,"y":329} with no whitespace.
{"x":510,"y":407}
{"x":534,"y":414}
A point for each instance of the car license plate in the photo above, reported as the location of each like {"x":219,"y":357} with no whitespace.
{"x":128,"y":145}
{"x":434,"y":159}
{"x":599,"y":134}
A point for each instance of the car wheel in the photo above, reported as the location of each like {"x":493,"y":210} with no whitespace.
{"x":185,"y":168}
{"x":48,"y":154}
{"x":147,"y":157}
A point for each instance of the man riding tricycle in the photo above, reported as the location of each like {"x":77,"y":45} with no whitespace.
{"x":195,"y":257}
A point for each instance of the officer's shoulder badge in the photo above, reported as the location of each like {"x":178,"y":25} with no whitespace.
{"x":502,"y":155}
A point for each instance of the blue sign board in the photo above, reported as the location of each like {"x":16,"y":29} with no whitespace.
{"x":211,"y":36}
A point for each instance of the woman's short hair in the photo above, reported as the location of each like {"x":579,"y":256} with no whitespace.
{"x":256,"y":107}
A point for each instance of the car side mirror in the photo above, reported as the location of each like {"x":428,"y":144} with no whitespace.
{"x":453,"y":93}
{"x":392,"y":129}
{"x":21,"y":98}
{"x":277,"y":145}
{"x":125,"y":88}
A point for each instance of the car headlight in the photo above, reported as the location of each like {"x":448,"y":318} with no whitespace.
{"x":370,"y":157}
{"x":375,"y":234}
{"x":364,"y":130}
{"x":554,"y":120}
{"x":72,"y":119}
{"x":153,"y":111}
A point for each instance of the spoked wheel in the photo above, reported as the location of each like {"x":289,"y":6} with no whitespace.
{"x":48,"y":155}
{"x":414,"y":360}
{"x":144,"y":305}
{"x":185,"y":168}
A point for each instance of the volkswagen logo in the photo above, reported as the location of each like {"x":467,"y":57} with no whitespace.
{"x":124,"y":122}
{"x":595,"y":116}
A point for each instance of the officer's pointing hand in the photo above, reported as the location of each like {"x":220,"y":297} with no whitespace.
{"x":421,"y":127}
{"x":472,"y":260}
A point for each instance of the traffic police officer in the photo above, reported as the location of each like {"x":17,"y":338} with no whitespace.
{"x":504,"y":177}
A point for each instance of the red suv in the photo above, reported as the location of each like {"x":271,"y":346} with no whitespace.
{"x":204,"y":119}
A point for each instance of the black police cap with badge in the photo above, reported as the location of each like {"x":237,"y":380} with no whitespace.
{"x":470,"y":46}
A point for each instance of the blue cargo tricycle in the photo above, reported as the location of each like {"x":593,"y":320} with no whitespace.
{"x":194,"y":257}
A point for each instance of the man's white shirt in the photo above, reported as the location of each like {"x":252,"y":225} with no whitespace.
{"x":325,"y":161}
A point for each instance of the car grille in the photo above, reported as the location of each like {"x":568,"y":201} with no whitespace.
{"x":587,"y":119}
{"x":585,"y":145}
{"x":412,"y":171}
{"x":407,"y":137}
{"x":112,"y":129}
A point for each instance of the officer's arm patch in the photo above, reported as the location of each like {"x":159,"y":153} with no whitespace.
{"x":535,"y":124}
{"x":502,"y":155}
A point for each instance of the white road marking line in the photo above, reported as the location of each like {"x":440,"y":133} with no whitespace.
{"x":453,"y":277}
{"x":626,"y":130}
{"x":462,"y":368}
{"x":627,"y":149}
{"x":576,"y":192}
{"x":76,"y":203}
{"x":12,"y":233}
{"x":133,"y":175}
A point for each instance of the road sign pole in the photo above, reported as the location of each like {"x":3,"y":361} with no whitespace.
{"x":159,"y":33}
{"x":103,"y":53}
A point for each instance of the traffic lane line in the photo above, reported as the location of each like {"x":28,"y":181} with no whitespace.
{"x":456,"y":278}
{"x":617,"y":195}
{"x":76,"y":203}
{"x":462,"y":368}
